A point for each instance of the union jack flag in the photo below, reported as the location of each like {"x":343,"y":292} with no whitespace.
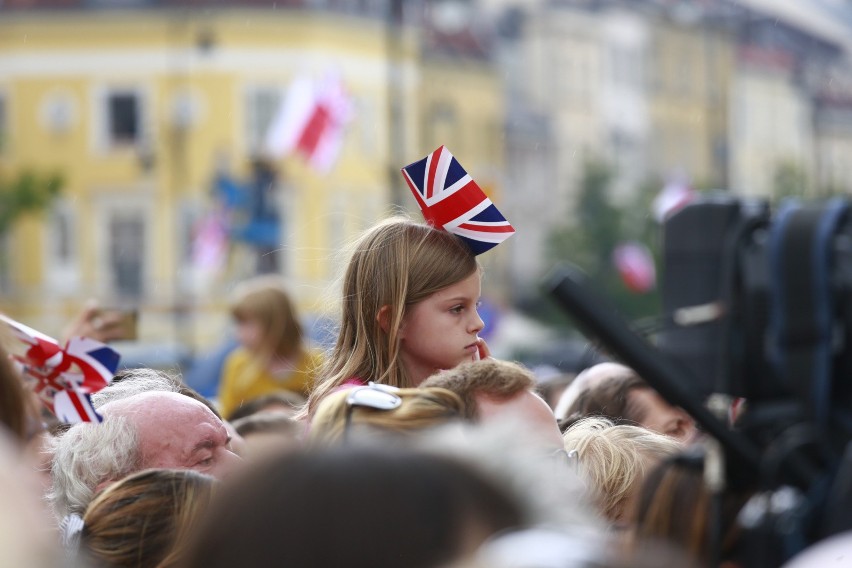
{"x":451,"y":200}
{"x":64,"y":378}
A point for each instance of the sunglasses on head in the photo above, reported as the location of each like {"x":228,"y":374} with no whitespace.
{"x":373,"y":395}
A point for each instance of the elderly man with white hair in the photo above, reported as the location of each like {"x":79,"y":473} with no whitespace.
{"x":142,"y":429}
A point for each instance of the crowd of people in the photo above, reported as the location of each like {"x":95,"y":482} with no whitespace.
{"x":406,"y":445}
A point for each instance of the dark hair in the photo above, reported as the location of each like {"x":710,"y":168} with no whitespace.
{"x":267,"y":422}
{"x":608,"y":399}
{"x":353,"y":507}
{"x":286,"y":398}
{"x":674,"y":507}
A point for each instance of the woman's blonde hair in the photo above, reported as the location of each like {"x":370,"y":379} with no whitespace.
{"x":420,"y":409}
{"x":265,"y":300}
{"x":614,"y":459}
{"x":396,"y":263}
{"x":145,"y":519}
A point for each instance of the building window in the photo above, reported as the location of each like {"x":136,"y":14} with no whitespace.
{"x":127,"y":253}
{"x":122,"y":118}
{"x":63,"y":237}
{"x":262,"y":105}
{"x":62,"y":266}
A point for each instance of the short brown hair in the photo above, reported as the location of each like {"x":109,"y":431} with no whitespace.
{"x":609,"y":399}
{"x":493,"y":378}
{"x":266,"y":422}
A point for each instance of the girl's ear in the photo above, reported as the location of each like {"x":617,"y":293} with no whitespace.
{"x":383,"y":317}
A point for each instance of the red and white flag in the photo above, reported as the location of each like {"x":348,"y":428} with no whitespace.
{"x":311,"y":121}
{"x":635,"y":264}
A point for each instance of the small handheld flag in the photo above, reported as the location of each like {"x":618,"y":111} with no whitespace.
{"x":64,"y":378}
{"x":451,"y":200}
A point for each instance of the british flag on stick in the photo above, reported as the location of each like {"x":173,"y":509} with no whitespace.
{"x":64,"y":378}
{"x":451,"y":200}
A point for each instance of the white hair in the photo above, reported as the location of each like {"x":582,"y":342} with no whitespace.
{"x":135,"y":381}
{"x":87,"y":455}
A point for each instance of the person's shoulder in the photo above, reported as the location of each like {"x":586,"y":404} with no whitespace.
{"x":237,"y":358}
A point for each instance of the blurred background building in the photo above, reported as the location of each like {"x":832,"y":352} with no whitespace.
{"x":156,"y":117}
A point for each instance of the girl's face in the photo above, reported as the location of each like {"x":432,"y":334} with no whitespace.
{"x":440,"y":331}
{"x":249,"y":333}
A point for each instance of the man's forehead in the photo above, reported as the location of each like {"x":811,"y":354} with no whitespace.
{"x":159,"y":406}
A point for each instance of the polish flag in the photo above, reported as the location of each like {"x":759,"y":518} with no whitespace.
{"x":635,"y":264}
{"x":311,"y":121}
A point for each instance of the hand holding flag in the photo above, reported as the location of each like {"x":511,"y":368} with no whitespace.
{"x":451,"y":200}
{"x":64,"y":378}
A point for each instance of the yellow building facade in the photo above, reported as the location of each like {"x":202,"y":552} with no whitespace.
{"x":140,"y":109}
{"x":689,"y":80}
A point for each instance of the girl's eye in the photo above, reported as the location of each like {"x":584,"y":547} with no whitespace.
{"x":456,"y":309}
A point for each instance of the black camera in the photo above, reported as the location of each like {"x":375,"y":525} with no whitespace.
{"x":757,"y":304}
{"x":761,"y":306}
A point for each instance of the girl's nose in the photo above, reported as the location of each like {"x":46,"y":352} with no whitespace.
{"x":477,"y":324}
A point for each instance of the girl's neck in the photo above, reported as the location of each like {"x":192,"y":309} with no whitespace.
{"x":416,"y":374}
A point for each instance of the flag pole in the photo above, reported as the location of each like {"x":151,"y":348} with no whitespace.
{"x":396,"y":134}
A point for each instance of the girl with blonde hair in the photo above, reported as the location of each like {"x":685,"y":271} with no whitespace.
{"x":272,"y":356}
{"x":399,"y":411}
{"x":143,"y":521}
{"x":410,"y":298}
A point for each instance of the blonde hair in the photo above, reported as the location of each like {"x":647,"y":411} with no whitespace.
{"x":396,"y":263}
{"x":265,"y":300}
{"x":614,"y":459}
{"x":145,"y":519}
{"x":420,"y":409}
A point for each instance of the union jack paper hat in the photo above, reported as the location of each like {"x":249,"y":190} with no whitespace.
{"x":64,"y":377}
{"x":451,"y":200}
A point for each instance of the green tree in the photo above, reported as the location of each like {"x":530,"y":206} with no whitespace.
{"x":24,"y":193}
{"x":598,"y":229}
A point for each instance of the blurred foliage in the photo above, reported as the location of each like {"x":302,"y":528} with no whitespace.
{"x":789,"y":180}
{"x":27,"y":192}
{"x":599,"y":227}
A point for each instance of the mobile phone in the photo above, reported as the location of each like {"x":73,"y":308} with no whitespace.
{"x":126,"y":322}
